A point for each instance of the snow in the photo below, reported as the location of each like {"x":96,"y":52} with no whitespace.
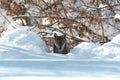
{"x":21,"y":38}
{"x":55,"y":78}
{"x":116,"y":39}
{"x":84,"y":50}
{"x":58,"y":33}
{"x":45,"y":21}
{"x":23,"y":53}
{"x":17,"y":23}
{"x":110,"y":50}
{"x":25,"y":41}
{"x":117,"y":16}
{"x":50,"y":1}
{"x":102,"y":6}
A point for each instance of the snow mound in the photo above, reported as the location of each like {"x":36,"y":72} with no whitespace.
{"x":110,"y":50}
{"x":24,"y":39}
{"x":116,"y":39}
{"x":84,"y":50}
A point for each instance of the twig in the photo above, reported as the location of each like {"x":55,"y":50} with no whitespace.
{"x":4,"y":17}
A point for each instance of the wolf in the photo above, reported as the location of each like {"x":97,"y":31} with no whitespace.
{"x":60,"y":44}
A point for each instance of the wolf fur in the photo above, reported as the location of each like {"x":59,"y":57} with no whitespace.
{"x":60,"y":44}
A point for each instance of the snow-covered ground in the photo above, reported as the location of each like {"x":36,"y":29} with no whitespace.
{"x":24,"y":54}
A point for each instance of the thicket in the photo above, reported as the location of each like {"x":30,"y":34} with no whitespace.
{"x":80,"y":20}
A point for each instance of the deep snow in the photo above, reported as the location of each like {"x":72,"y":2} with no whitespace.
{"x":23,"y":53}
{"x":22,"y":43}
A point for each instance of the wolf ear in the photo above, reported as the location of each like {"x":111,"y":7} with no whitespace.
{"x":55,"y":35}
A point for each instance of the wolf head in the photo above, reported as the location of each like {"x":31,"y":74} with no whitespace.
{"x":60,"y":44}
{"x":59,"y":40}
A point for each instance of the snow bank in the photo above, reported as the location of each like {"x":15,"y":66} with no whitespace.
{"x":24,"y":39}
{"x":116,"y":39}
{"x":110,"y":50}
{"x":84,"y":50}
{"x":19,"y":40}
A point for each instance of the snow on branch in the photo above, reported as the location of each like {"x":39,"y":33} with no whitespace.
{"x":117,"y":16}
{"x":80,"y":20}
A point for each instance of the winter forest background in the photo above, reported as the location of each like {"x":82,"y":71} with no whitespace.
{"x":92,"y":29}
{"x":81,"y":20}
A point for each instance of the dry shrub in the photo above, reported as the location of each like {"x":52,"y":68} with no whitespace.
{"x":81,"y":23}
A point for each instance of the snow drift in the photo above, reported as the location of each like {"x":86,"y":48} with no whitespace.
{"x":84,"y":50}
{"x":24,"y":53}
{"x":25,"y":42}
{"x":20,"y":41}
{"x":110,"y":50}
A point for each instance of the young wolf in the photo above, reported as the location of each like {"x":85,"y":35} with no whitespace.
{"x":60,"y":44}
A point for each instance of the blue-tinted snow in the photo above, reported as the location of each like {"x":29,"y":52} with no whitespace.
{"x":23,"y":53}
{"x":67,"y":68}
